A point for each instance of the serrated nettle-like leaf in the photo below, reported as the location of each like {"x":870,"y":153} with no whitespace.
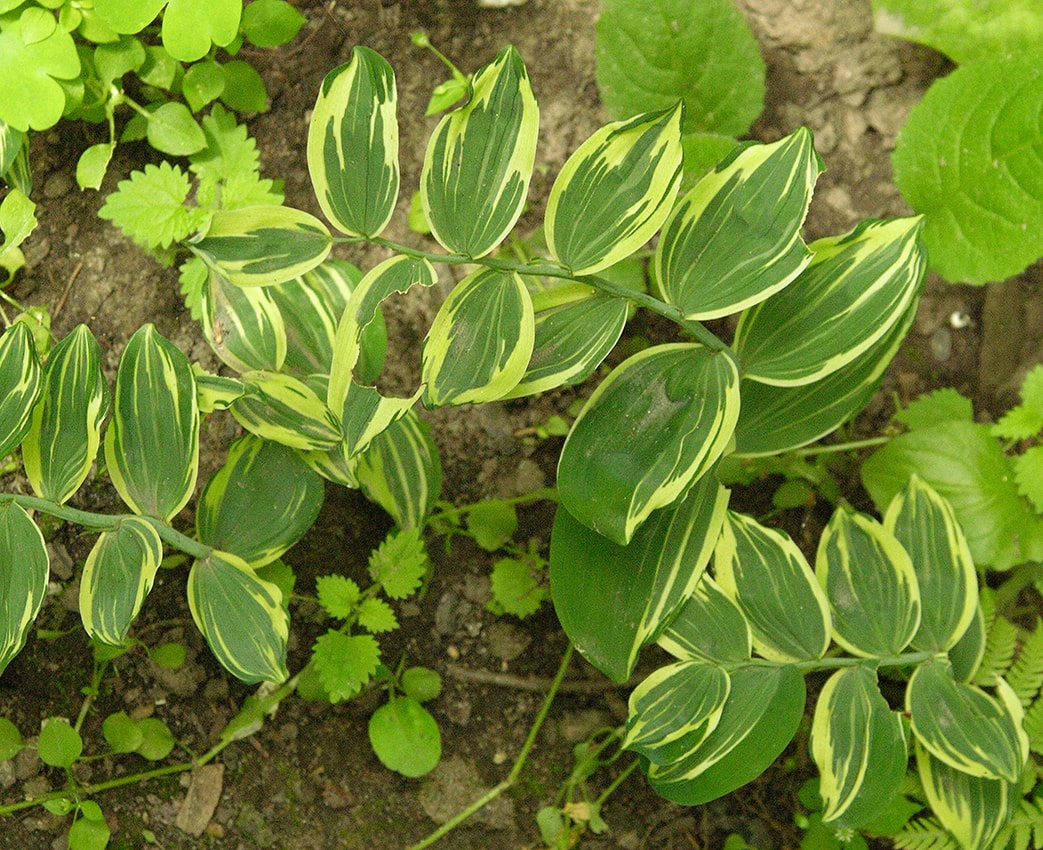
{"x":479,"y":159}
{"x":281,"y":408}
{"x":400,"y":470}
{"x":611,"y":599}
{"x":759,"y":719}
{"x":615,"y":191}
{"x":480,"y":341}
{"x":65,"y":432}
{"x":768,"y":577}
{"x":259,"y":503}
{"x":856,"y":288}
{"x":859,"y":746}
{"x":24,"y":570}
{"x":871,"y":585}
{"x":117,"y":576}
{"x":243,"y":325}
{"x":152,"y":443}
{"x":658,"y":422}
{"x":965,"y":727}
{"x":575,"y":329}
{"x":709,"y":626}
{"x":20,"y":378}
{"x":363,"y":411}
{"x":262,"y":245}
{"x":241,"y":617}
{"x":674,"y":709}
{"x":925,"y":524}
{"x":353,"y":144}
{"x":734,"y":239}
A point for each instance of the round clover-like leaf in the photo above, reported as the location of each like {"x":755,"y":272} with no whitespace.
{"x":35,"y":53}
{"x":405,"y":737}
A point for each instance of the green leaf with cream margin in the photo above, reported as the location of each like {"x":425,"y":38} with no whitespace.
{"x":353,"y":145}
{"x":858,"y":744}
{"x":281,"y":408}
{"x":24,"y":570}
{"x":615,"y":191}
{"x":735,"y":238}
{"x":262,"y":245}
{"x":652,"y":427}
{"x":241,"y":616}
{"x":243,"y":325}
{"x":117,"y":576}
{"x":926,"y":526}
{"x":767,"y":576}
{"x":480,"y":341}
{"x":871,"y":585}
{"x":63,"y":439}
{"x":479,"y":160}
{"x":856,"y":288}
{"x":152,"y":443}
{"x":709,"y":626}
{"x":20,"y":379}
{"x":611,"y":599}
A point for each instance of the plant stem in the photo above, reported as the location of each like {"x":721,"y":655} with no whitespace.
{"x":615,"y":783}
{"x":548,"y":494}
{"x":908,"y":659}
{"x":834,"y":448}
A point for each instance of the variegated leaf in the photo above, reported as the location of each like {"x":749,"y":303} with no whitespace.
{"x":353,"y":144}
{"x":24,"y":570}
{"x":651,"y":428}
{"x":279,"y":407}
{"x":117,"y":576}
{"x":854,"y":291}
{"x":709,"y":626}
{"x":615,"y":191}
{"x":334,"y":465}
{"x":611,"y":599}
{"x":66,"y":426}
{"x":244,"y":326}
{"x":10,"y":143}
{"x":969,"y":652}
{"x":259,"y":503}
{"x":674,"y":709}
{"x":262,"y":245}
{"x":480,"y":341}
{"x":215,"y":392}
{"x":734,"y":239}
{"x":965,"y":727}
{"x":241,"y":616}
{"x":926,"y":526}
{"x":479,"y":160}
{"x":20,"y":378}
{"x":152,"y":443}
{"x":768,"y":577}
{"x":871,"y":585}
{"x":859,"y":746}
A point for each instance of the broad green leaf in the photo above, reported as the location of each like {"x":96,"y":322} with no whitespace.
{"x":702,"y":153}
{"x":420,"y":683}
{"x":734,"y":239}
{"x":650,"y":53}
{"x":20,"y":378}
{"x":759,"y":720}
{"x":117,"y":577}
{"x":24,"y":570}
{"x":35,"y":55}
{"x":856,"y":288}
{"x":575,"y":329}
{"x":113,"y":59}
{"x":405,"y":737}
{"x":259,"y":503}
{"x":66,"y":427}
{"x":973,"y":809}
{"x":152,"y":443}
{"x":965,"y":727}
{"x":353,"y":144}
{"x":204,"y":82}
{"x":92,"y":165}
{"x":656,"y":424}
{"x":871,"y":585}
{"x":271,"y":23}
{"x":480,"y":341}
{"x":262,"y":245}
{"x":10,"y":740}
{"x":612,"y":599}
{"x":674,"y":709}
{"x":615,"y":191}
{"x":243,"y":325}
{"x":479,"y":160}
{"x":969,"y":651}
{"x":241,"y":617}
{"x":128,"y":16}
{"x":925,"y":524}
{"x":121,"y":733}
{"x":279,"y":407}
{"x":859,"y":746}
{"x":768,"y":577}
{"x":244,"y":89}
{"x":59,"y":745}
{"x":969,"y":159}
{"x":173,"y":130}
{"x":400,"y":471}
{"x":191,"y":26}
{"x":965,"y":464}
{"x":709,"y":626}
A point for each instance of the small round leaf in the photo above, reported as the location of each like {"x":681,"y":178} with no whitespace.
{"x":59,"y":744}
{"x":405,"y":737}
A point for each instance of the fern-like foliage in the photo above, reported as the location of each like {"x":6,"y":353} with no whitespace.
{"x":925,"y":834}
{"x":1034,"y":726}
{"x":1025,"y":830}
{"x":1001,"y":644}
{"x":1025,"y":675}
